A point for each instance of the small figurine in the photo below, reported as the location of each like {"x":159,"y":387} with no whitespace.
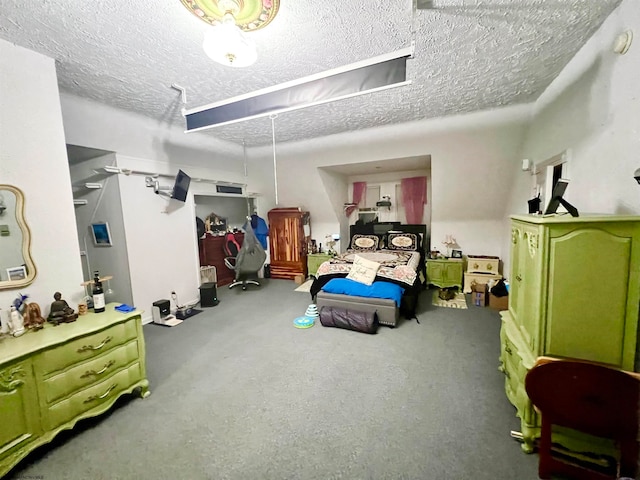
{"x":83,"y":309}
{"x":33,"y":316}
{"x":61,"y":311}
{"x":16,"y":322}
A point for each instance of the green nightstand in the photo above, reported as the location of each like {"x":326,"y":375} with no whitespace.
{"x":445,"y":272}
{"x":314,"y":260}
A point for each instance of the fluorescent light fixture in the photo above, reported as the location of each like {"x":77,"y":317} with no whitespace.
{"x":368,"y":76}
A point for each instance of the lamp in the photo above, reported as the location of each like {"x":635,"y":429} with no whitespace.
{"x":226,"y":41}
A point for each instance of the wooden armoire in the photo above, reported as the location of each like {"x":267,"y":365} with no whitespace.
{"x":289,"y":233}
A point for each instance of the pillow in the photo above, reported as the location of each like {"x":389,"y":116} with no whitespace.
{"x":402,"y":241}
{"x":364,"y":243}
{"x":363,"y":270}
{"x":345,"y":286}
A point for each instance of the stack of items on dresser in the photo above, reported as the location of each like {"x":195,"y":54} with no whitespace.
{"x":481,"y":275}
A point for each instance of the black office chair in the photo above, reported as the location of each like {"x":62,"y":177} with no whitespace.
{"x":245,"y":260}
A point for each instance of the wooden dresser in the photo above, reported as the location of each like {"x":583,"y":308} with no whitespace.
{"x":575,"y":287}
{"x":52,"y":378}
{"x":289,"y":233}
{"x":212,"y":254}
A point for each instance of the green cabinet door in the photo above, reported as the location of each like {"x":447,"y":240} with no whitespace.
{"x":586,"y":307}
{"x":18,"y":411}
{"x":528,"y":283}
{"x":444,"y":273}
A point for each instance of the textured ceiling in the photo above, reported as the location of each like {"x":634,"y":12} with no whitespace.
{"x":469,"y":55}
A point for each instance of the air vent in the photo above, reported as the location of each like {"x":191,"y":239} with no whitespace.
{"x":228,"y":189}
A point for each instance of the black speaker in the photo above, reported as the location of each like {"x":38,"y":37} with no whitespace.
{"x":208,"y":295}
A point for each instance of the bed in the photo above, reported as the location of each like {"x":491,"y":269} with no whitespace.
{"x":398,"y":260}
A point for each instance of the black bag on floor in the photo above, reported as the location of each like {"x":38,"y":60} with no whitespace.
{"x":365,"y":322}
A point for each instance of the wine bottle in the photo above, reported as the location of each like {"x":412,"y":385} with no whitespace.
{"x":98,"y":294}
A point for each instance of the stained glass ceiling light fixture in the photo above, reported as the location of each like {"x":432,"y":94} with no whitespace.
{"x":226,"y":41}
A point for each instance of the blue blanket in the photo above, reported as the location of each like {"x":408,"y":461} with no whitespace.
{"x":378,"y":289}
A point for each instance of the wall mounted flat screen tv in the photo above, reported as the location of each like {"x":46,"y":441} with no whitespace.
{"x":181,"y":186}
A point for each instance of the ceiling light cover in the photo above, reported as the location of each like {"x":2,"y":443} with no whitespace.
{"x":251,"y":14}
{"x":228,"y":45}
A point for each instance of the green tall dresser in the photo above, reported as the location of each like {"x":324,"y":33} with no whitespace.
{"x":575,"y":286}
{"x":52,"y":378}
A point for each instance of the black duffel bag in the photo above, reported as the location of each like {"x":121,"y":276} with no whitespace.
{"x":365,"y":322}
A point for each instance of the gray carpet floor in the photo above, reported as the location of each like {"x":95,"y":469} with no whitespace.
{"x":238,"y":393}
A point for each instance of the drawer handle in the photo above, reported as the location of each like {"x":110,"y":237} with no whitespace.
{"x":519,"y":278}
{"x":88,"y":373}
{"x":508,"y":350}
{"x":98,"y":347}
{"x":489,"y":267}
{"x":93,"y":398}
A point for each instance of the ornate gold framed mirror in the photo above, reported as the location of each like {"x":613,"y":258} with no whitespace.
{"x":17,"y":268}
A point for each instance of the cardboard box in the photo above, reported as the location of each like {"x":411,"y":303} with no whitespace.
{"x":499,"y":303}
{"x":299,"y":279}
{"x":479,"y":294}
{"x":479,"y":299}
{"x":470,"y":278}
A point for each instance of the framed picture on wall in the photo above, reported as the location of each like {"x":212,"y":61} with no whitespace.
{"x":17,"y":273}
{"x":101,"y":234}
{"x":456,"y":253}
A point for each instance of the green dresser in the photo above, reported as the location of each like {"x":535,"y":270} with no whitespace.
{"x":314,"y":260}
{"x":575,"y":287}
{"x":52,"y":378}
{"x":445,"y":272}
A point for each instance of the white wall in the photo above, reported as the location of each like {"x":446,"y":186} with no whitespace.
{"x":472,"y":158}
{"x":33,"y":158}
{"x":592,"y":109}
{"x":103,"y":206}
{"x":161,"y":236}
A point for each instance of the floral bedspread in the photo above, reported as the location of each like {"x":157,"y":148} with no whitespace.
{"x":395,"y":265}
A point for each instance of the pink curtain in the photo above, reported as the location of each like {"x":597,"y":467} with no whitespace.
{"x":359,"y":190}
{"x":414,"y":197}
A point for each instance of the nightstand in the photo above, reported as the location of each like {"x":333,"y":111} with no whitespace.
{"x":314,"y":260}
{"x":445,"y":272}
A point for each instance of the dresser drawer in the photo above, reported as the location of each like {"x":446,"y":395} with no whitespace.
{"x":87,"y":347}
{"x":89,"y":372}
{"x":93,"y":396}
{"x":483,"y":264}
{"x":511,"y":369}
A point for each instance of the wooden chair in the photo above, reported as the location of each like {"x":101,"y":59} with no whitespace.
{"x":590,"y":398}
